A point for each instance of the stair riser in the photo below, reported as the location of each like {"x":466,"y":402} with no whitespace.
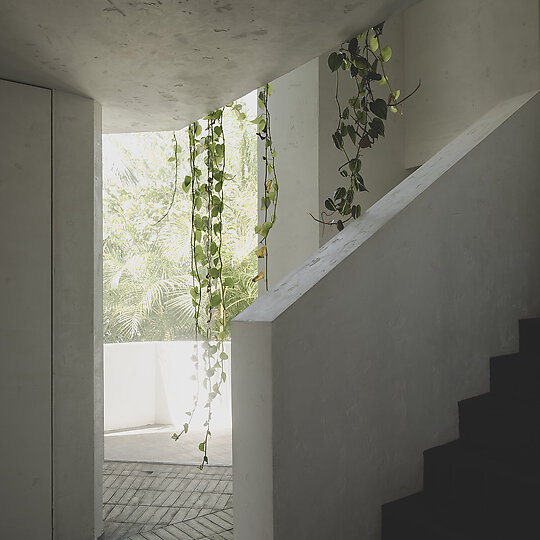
{"x":467,"y":484}
{"x":395,"y":529}
{"x":516,"y":377}
{"x":509,"y":427}
{"x":486,"y":485}
{"x":529,"y":336}
{"x":405,"y":522}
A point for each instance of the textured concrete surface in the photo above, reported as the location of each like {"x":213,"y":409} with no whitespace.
{"x":294,"y":109}
{"x":77,"y":314}
{"x":160,"y":64}
{"x":143,"y":501}
{"x":25,"y":321}
{"x":51,"y":373}
{"x":456,"y":50}
{"x":154,"y":444}
{"x":356,"y":359}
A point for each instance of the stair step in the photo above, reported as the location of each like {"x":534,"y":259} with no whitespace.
{"x":529,"y":335}
{"x":412,"y":518}
{"x":516,"y":376}
{"x":455,"y":473}
{"x":486,"y":485}
{"x":421,"y":517}
{"x":500,"y":427}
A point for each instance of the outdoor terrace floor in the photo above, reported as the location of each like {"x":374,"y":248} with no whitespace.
{"x":151,"y":501}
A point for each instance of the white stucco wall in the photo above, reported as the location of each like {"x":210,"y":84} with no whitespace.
{"x":303,"y":114}
{"x":149,"y":383}
{"x":470,"y":56}
{"x":374,"y":339}
{"x":99,"y":442}
{"x":77,"y":312}
{"x":253,"y":418}
{"x":130,"y":385}
{"x":25,"y":318}
{"x":50,"y":328}
{"x":294,"y":110}
{"x":383,"y":164}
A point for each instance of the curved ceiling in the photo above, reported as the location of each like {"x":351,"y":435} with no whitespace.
{"x":160,"y":64}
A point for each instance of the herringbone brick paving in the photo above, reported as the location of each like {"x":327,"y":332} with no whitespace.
{"x":148,"y":501}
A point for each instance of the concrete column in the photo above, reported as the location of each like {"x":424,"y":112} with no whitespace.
{"x":252,"y":414}
{"x":25,"y":317}
{"x":50,"y":325}
{"x":77,"y":311}
{"x":294,"y":110}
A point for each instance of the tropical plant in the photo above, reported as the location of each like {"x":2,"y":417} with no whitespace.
{"x":212,"y":289}
{"x":361,"y":122}
{"x":147,"y":278}
{"x":269,"y":200}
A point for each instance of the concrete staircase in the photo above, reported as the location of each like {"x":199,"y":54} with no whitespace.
{"x":486,"y":484}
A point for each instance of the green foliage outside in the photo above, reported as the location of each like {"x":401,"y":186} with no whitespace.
{"x":146,"y":265}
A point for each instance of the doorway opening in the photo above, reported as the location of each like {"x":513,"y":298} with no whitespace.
{"x":151,"y":483}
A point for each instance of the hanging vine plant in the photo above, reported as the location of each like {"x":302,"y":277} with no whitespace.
{"x":269,"y":200}
{"x":362,"y":120}
{"x":209,"y":286}
{"x":204,"y":183}
{"x":360,"y":124}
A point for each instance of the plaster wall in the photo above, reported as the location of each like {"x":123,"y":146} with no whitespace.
{"x":51,"y":332}
{"x":253,"y":418}
{"x":99,"y":449}
{"x":149,"y":383}
{"x":76,"y":360}
{"x":303,"y":113}
{"x":25,"y":318}
{"x":294,"y":110}
{"x":383,"y":165}
{"x":130,"y":385}
{"x":449,"y":262}
{"x":465,"y":68}
{"x":175,"y":390}
{"x":470,"y":56}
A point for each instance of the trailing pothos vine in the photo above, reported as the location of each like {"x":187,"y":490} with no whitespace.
{"x":204,"y":183}
{"x":360,"y":125}
{"x":362,"y":120}
{"x":209,"y":287}
{"x":269,"y":200}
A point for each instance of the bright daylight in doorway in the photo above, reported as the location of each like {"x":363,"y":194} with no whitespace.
{"x":148,"y":310}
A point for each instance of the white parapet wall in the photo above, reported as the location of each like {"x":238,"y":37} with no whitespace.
{"x":150,"y":383}
{"x":354,"y":363}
